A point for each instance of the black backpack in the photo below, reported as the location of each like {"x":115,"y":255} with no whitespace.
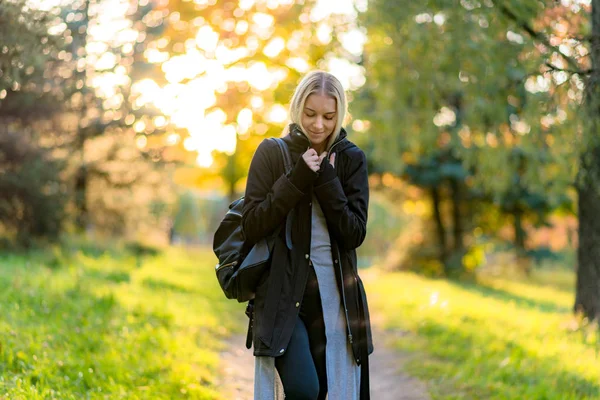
{"x":240,"y":268}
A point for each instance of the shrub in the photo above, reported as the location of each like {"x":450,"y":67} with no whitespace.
{"x":32,"y":195}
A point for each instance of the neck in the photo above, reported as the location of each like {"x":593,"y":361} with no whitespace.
{"x":319,"y":148}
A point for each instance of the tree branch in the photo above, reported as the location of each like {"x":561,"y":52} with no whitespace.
{"x":538,"y":36}
{"x":580,"y":38}
{"x":553,"y":67}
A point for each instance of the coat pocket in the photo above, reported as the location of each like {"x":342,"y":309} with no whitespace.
{"x":262,"y":321}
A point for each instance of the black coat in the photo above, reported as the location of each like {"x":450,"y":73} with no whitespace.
{"x":271,"y":197}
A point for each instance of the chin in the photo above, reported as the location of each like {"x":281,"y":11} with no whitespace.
{"x":322,"y":137}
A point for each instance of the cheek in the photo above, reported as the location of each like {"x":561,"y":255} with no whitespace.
{"x":330,"y":124}
{"x":306,"y":121}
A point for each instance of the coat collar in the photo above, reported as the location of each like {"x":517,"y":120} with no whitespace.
{"x":298,"y":141}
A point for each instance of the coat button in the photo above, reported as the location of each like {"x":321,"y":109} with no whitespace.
{"x":335,"y":261}
{"x":306,"y":256}
{"x":310,"y":204}
{"x":281,"y":351}
{"x":297,"y":304}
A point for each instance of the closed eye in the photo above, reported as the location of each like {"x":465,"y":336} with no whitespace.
{"x":327,"y":117}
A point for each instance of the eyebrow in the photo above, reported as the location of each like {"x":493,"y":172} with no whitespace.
{"x":330,"y":112}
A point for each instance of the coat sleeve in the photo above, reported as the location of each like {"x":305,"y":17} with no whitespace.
{"x":345,"y":204}
{"x":268,"y":200}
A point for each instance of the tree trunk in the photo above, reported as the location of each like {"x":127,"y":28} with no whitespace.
{"x":439,"y":223}
{"x":587,"y":297}
{"x":457,"y":217}
{"x":81,"y":181}
{"x":520,"y":236}
{"x":232,"y":194}
{"x":81,"y":176}
{"x":519,"y":231}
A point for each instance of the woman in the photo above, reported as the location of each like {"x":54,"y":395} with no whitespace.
{"x":310,"y":319}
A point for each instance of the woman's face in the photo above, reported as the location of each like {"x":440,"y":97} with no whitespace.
{"x":319,"y":118}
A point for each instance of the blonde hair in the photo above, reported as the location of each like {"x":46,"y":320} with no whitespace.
{"x":324,"y":83}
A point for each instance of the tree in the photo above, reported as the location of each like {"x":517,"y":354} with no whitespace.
{"x":99,"y":63}
{"x":88,"y":113}
{"x":452,"y":90}
{"x":32,"y":191}
{"x":32,"y":194}
{"x":580,"y":34}
{"x":233,"y":66}
{"x":587,"y":299}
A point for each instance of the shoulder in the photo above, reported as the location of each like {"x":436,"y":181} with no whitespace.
{"x":266,"y":145}
{"x":352,"y":154}
{"x":265,"y":149}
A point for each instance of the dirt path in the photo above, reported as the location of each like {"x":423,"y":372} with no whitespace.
{"x":388,"y":382}
{"x":237,"y":370}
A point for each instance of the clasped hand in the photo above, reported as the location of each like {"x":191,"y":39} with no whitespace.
{"x":313,"y":160}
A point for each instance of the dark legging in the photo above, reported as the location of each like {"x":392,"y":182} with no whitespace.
{"x":303,"y":372}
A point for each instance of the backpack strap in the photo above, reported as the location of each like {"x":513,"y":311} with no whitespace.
{"x":285,"y":153}
{"x":287,"y":162}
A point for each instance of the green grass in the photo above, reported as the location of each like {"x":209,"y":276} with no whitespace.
{"x":501,"y":339}
{"x":88,"y":323}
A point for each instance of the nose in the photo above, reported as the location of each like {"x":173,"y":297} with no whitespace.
{"x":319,"y":123}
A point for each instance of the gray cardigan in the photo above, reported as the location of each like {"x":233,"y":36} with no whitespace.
{"x":343,"y":374}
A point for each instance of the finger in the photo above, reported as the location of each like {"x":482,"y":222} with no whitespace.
{"x":310,"y":161}
{"x":332,"y":160}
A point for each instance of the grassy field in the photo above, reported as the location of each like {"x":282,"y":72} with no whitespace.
{"x":89,"y":323}
{"x":500,"y":339}
{"x":83,"y":322}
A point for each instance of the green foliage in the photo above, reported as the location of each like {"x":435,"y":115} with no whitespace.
{"x":32,"y":193}
{"x":385,"y":223}
{"x":433,"y":170}
{"x":498,"y":339}
{"x":95,"y":325}
{"x":196,"y":218}
{"x":460,"y":99}
{"x":25,"y":43}
{"x":53,"y":92}
{"x":251,"y":78}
